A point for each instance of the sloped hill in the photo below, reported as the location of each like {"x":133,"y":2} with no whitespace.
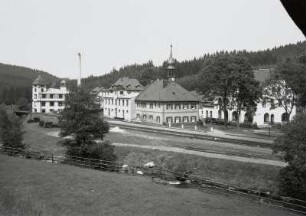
{"x":51,"y":189}
{"x":16,"y":82}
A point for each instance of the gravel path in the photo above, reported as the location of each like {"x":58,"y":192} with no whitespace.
{"x":205,"y":154}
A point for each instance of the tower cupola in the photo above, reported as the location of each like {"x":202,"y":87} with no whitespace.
{"x":170,"y":75}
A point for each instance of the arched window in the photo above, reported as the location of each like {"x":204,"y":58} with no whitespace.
{"x":285,"y":117}
{"x":219,"y":114}
{"x":248,"y":117}
{"x":272,"y":118}
{"x":266,"y":118}
{"x":235,"y":116}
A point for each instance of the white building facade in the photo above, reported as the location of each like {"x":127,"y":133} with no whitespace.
{"x":48,"y":100}
{"x":118,"y":102}
{"x":264,"y":115}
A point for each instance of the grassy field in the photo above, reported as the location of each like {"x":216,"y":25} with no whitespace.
{"x":36,"y":188}
{"x":252,"y":176}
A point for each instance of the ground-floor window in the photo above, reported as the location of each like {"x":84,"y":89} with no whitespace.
{"x":219,"y":114}
{"x":285,"y":117}
{"x":158,"y":119}
{"x":235,"y":116}
{"x":177,"y":119}
{"x":151,"y":118}
{"x":137,"y":116}
{"x":266,"y":118}
{"x":185,"y":119}
{"x":169,"y":119}
{"x":272,"y":118}
{"x":43,"y":110}
{"x":144,"y":117}
{"x":193,"y":118}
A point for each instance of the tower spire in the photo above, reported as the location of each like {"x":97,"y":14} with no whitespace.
{"x":170,"y":68}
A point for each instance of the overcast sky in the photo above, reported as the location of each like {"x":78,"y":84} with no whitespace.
{"x":48,"y":34}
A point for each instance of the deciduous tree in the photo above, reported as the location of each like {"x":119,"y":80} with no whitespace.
{"x":231,"y":79}
{"x":293,"y":145}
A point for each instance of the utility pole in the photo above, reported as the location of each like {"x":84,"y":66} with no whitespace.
{"x":80,"y":65}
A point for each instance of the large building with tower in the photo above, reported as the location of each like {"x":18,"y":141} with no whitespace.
{"x":165,"y":102}
{"x":48,"y":100}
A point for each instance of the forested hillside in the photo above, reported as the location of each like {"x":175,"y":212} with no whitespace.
{"x":187,"y":71}
{"x":16,"y":82}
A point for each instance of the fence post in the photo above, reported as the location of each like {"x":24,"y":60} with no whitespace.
{"x":52,"y":158}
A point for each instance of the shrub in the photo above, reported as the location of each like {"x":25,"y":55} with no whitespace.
{"x":10,"y":130}
{"x":41,"y":123}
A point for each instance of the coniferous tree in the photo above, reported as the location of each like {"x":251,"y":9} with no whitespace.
{"x":81,"y":120}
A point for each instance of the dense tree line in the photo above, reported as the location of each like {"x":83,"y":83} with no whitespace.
{"x":16,"y":82}
{"x":188,"y":70}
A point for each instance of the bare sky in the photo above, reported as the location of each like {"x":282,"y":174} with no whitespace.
{"x":48,"y":34}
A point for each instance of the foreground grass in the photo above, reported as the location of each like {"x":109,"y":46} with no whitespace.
{"x":66,"y":190}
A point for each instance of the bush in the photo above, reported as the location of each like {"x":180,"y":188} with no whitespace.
{"x":10,"y":131}
{"x":98,"y":151}
{"x":48,"y":125}
{"x":41,"y":123}
{"x":292,"y":144}
{"x":30,"y":121}
{"x":249,"y":125}
{"x":36,"y":119}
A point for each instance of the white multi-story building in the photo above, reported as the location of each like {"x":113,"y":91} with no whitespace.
{"x":265,"y":113}
{"x":48,"y":100}
{"x":119,"y":100}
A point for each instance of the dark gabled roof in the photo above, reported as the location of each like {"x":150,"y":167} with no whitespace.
{"x":39,"y":81}
{"x":160,"y":90}
{"x":96,"y":90}
{"x":126,"y":83}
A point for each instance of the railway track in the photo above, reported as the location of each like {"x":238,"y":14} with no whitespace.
{"x":192,"y":136}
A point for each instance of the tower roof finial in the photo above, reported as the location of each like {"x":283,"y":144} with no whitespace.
{"x":171,"y":60}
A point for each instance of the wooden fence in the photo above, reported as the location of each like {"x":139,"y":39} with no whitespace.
{"x":160,"y":175}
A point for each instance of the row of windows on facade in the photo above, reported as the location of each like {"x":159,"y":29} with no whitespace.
{"x":51,"y":103}
{"x":119,"y":102}
{"x":169,"y":119}
{"x":51,"y":110}
{"x":50,"y":96}
{"x":126,"y":111}
{"x":111,"y":92}
{"x":267,"y":118}
{"x":169,"y":106}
